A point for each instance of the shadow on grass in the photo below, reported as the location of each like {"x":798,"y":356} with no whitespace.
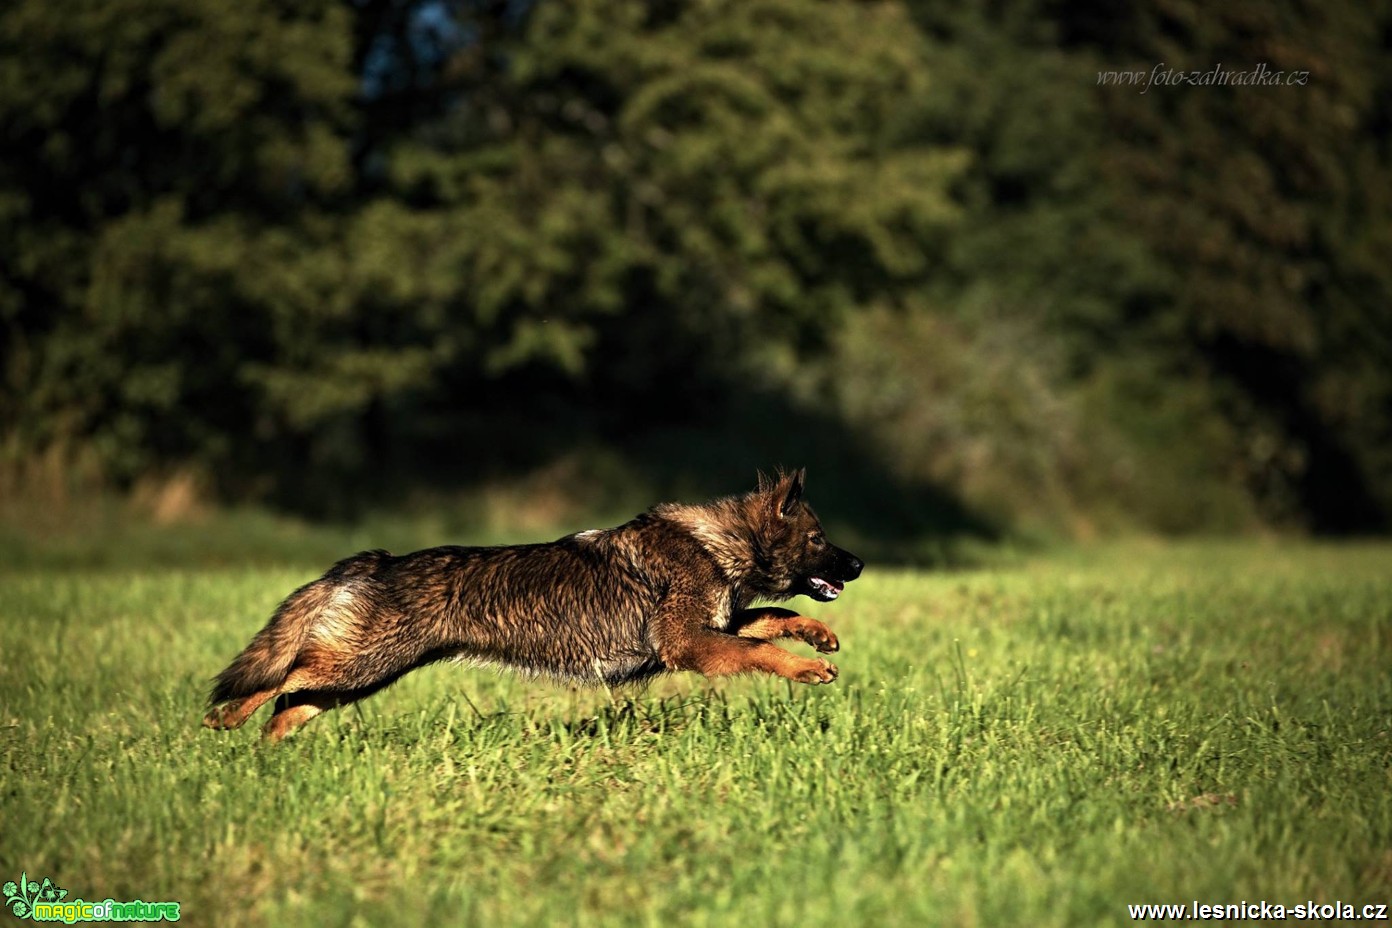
{"x":630,"y":716}
{"x":633,"y":715}
{"x":710,"y":710}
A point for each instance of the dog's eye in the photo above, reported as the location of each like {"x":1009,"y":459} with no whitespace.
{"x":816,"y":539}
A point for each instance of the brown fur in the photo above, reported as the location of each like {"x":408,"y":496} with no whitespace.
{"x":670,"y":590}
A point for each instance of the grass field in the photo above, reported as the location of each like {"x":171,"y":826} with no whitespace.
{"x":1037,"y":744}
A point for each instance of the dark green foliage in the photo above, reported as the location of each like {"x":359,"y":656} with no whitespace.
{"x":1275,"y":205}
{"x":637,"y":200}
{"x":164,"y":166}
{"x":305,"y":248}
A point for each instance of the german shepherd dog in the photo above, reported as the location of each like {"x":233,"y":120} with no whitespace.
{"x":671,"y":590}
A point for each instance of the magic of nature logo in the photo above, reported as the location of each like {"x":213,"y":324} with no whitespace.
{"x":46,"y":902}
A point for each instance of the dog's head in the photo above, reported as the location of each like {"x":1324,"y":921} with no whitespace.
{"x":792,"y":556}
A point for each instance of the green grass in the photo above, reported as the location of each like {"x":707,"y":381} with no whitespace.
{"x":1037,"y":744}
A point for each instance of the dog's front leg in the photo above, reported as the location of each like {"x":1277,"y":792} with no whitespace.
{"x":767,"y":623}
{"x":714,"y":653}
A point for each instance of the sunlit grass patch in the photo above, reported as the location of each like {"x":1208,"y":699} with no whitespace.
{"x":1035,"y":745}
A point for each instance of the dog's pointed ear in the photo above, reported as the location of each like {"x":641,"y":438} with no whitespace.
{"x":792,"y":491}
{"x":766,"y":483}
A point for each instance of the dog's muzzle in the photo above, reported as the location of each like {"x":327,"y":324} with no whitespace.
{"x":829,"y":585}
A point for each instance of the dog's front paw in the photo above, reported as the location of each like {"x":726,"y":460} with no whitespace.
{"x":816,"y":634}
{"x":815,"y":670}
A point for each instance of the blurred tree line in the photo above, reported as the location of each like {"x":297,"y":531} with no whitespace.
{"x":316,"y":249}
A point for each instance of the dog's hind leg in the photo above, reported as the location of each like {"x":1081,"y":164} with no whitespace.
{"x":294,"y":709}
{"x":769,"y":623}
{"x":235,"y":713}
{"x":312,"y":688}
{"x":326,"y":681}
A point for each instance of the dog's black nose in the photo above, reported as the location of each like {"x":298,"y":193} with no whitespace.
{"x":855,"y":565}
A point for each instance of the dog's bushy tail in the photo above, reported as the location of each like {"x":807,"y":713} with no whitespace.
{"x":335,"y":602}
{"x":269,"y":658}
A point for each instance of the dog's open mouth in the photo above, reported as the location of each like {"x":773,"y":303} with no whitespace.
{"x":825,"y":590}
